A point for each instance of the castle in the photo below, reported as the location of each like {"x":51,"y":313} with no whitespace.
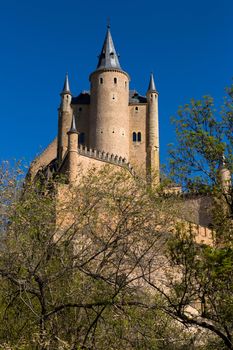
{"x":115,"y":125}
{"x":111,"y":123}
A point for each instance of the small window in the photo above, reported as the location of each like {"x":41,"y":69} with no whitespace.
{"x":125,"y":84}
{"x":80,"y":109}
{"x":101,"y":80}
{"x":115,"y":80}
{"x":139,"y":137}
{"x":134,"y":137}
{"x":81,"y":139}
{"x":136,"y":108}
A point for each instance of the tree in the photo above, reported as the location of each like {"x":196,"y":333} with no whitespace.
{"x":200,"y":288}
{"x":71,"y":273}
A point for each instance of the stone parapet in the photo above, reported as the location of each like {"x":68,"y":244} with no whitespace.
{"x":105,"y":157}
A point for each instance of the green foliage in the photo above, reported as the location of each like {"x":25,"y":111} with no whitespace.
{"x":201,"y":290}
{"x":203,"y":136}
{"x":71,"y":267}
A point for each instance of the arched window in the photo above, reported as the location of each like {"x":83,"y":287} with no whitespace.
{"x":81,"y":139}
{"x":139,"y":137}
{"x":101,"y":80}
{"x":136,"y":108}
{"x":134,"y":137}
{"x":115,"y":80}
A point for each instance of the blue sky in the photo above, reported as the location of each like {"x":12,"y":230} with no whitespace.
{"x":187,"y":44}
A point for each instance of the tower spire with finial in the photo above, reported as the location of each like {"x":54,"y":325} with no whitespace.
{"x":151,"y":87}
{"x":66,"y":86}
{"x":108,"y":57}
{"x":73,"y":128}
{"x":108,"y":23}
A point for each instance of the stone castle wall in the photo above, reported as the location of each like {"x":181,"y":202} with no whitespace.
{"x":82,"y":119}
{"x":49,"y":154}
{"x":137,"y":124}
{"x":197,"y":209}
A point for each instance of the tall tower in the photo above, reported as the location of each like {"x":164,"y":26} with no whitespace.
{"x":64,"y":120}
{"x":109,"y":113}
{"x":72,"y":152}
{"x":152,"y":147}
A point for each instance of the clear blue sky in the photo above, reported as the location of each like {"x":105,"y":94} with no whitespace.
{"x":187,"y":44}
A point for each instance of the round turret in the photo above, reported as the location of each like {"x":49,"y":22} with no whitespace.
{"x":152,"y":103}
{"x":72,"y":152}
{"x":152,"y":130}
{"x":64,"y":119}
{"x":109,"y":113}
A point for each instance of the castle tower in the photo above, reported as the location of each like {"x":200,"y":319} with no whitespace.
{"x":152,"y":146}
{"x":64,"y":120}
{"x":109,"y":113}
{"x":72,"y":155}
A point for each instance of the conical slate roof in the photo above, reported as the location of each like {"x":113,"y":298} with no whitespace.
{"x":66,"y":87}
{"x":73,"y":128}
{"x":108,"y":57}
{"x":151,"y":86}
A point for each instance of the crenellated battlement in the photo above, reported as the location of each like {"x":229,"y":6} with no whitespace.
{"x":105,"y":157}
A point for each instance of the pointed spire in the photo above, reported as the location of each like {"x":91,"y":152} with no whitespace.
{"x":151,"y":87}
{"x":108,"y":57}
{"x":73,"y":128}
{"x":66,"y":87}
